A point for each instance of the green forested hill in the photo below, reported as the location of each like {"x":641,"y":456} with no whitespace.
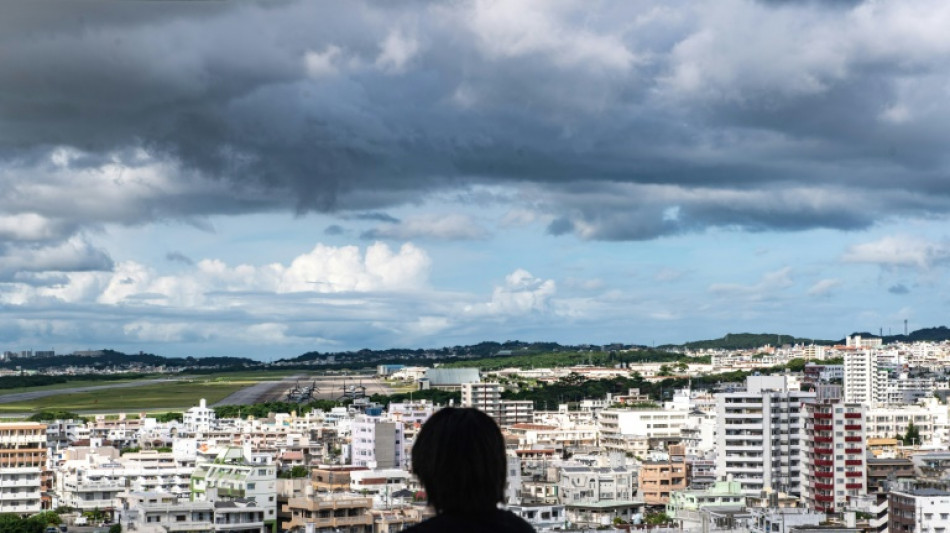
{"x":748,"y":341}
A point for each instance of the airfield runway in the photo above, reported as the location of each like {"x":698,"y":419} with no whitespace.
{"x":264,"y":391}
{"x":327,"y":388}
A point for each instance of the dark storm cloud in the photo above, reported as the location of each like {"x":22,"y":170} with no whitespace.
{"x":178,"y":257}
{"x":377,"y":217}
{"x":74,"y":255}
{"x":627,"y":121}
{"x":899,"y":288}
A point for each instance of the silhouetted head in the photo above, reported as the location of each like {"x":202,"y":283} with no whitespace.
{"x":459,"y":456}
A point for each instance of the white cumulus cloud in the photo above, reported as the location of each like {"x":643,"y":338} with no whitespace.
{"x":521,"y":293}
{"x":899,"y":251}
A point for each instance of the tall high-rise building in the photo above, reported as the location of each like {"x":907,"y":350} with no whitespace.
{"x":834,"y":469}
{"x":22,"y":467}
{"x":862,"y":377}
{"x":759,"y":435}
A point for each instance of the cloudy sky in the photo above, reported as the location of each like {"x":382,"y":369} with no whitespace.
{"x":215,"y":178}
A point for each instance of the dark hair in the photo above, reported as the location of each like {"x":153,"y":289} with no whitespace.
{"x":459,"y":456}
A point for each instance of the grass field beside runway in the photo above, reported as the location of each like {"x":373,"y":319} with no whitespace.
{"x":157,"y":396}
{"x":68,"y":385}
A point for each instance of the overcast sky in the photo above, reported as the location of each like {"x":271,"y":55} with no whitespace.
{"x":232,"y":178}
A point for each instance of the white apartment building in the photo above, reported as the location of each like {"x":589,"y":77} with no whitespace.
{"x":863,"y":377}
{"x":23,"y":456}
{"x":918,"y":511}
{"x":861,"y":342}
{"x":486,"y":397}
{"x":378,"y":441}
{"x":930,"y":418}
{"x":579,"y":484}
{"x":594,"y":496}
{"x":236,"y":476}
{"x":760,"y":435}
{"x":90,"y":479}
{"x":199,"y":418}
{"x":907,"y":388}
{"x":650,"y":423}
{"x":379,"y":483}
{"x":156,"y":512}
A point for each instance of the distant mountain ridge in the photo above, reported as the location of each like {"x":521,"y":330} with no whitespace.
{"x":747,"y":341}
{"x":488,"y":349}
{"x":937,"y":334}
{"x":111,"y":358}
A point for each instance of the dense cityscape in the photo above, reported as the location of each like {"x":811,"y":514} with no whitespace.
{"x":478,"y":266}
{"x":798,"y":437}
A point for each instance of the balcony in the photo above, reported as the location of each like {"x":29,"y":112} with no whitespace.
{"x":828,"y":475}
{"x":13,"y":496}
{"x":854,"y":486}
{"x":824,"y":498}
{"x":826,"y":440}
{"x":824,"y":427}
{"x":852,"y":415}
{"x":853,"y":474}
{"x":852,"y":427}
{"x":825,"y":486}
{"x":854,"y":450}
{"x":853,"y":462}
{"x":824,"y":462}
{"x":823,"y":416}
{"x":331,"y":522}
{"x":823,"y":451}
{"x":852,"y":439}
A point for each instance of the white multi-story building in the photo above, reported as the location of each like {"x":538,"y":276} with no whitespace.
{"x":378,"y":441}
{"x":236,"y":475}
{"x":857,"y":341}
{"x":199,"y":418}
{"x":650,"y":423}
{"x":158,"y":512}
{"x":863,"y":377}
{"x":929,"y":417}
{"x":22,"y":464}
{"x":90,"y":479}
{"x":593,"y":484}
{"x":486,"y":397}
{"x":918,"y":511}
{"x":759,"y":438}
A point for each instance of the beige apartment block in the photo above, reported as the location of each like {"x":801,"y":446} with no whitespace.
{"x":22,"y":467}
{"x":659,"y":478}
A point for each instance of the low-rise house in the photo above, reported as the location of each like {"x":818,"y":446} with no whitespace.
{"x":684,"y":504}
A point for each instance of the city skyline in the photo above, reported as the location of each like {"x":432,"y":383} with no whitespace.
{"x":248,"y":179}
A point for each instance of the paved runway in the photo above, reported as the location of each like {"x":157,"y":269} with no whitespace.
{"x":261,"y":392}
{"x":328,"y":388}
{"x":331,"y":387}
{"x":32,"y":395}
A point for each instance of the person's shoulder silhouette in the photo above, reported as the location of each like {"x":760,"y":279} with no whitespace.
{"x":459,"y":457}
